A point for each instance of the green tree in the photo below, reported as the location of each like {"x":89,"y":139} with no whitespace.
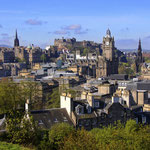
{"x":59,"y":133}
{"x":20,"y":129}
{"x":147,"y":59}
{"x":53,"y":99}
{"x":44,"y":141}
{"x":20,"y":60}
{"x":126,"y":68}
{"x":131,"y":126}
{"x":32,"y":91}
{"x":85,"y":51}
{"x":10,"y":96}
{"x":43,"y":58}
{"x":81,"y":139}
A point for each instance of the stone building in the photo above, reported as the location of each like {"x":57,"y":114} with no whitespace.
{"x":28,"y":54}
{"x":67,"y":43}
{"x":7,"y":55}
{"x":21,"y":53}
{"x":99,"y":63}
{"x":90,"y":113}
{"x":107,"y":64}
{"x":135,"y":94}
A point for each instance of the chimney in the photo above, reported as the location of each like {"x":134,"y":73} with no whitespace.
{"x":27,"y":106}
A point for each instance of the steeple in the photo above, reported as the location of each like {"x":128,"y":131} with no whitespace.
{"x":16,"y":34}
{"x":139,"y":47}
{"x":16,"y":41}
{"x":139,"y":59}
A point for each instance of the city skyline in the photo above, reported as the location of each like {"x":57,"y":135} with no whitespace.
{"x":40,"y":22}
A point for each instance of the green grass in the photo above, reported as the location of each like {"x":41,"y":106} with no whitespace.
{"x":10,"y":146}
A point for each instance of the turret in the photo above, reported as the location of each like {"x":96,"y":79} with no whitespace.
{"x":108,"y":33}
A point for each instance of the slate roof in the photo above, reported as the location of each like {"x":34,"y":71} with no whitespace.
{"x":85,"y":115}
{"x":139,"y":86}
{"x":118,"y":77}
{"x":47,"y":118}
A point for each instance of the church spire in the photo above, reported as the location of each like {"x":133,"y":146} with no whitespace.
{"x":139,"y":47}
{"x":16,"y":41}
{"x":16,"y":34}
{"x":139,"y":59}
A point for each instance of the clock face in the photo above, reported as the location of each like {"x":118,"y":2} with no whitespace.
{"x":107,"y":43}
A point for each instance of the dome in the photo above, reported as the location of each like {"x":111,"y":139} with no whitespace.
{"x":30,"y":47}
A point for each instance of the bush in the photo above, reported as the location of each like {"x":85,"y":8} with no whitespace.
{"x":58,"y":133}
{"x":80,"y":140}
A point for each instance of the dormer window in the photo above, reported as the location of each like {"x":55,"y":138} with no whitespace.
{"x":88,"y":109}
{"x":65,"y":119}
{"x":79,"y":109}
{"x":40,"y":122}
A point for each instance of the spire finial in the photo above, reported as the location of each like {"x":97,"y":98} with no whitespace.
{"x":16,"y":41}
{"x":108,"y":33}
{"x":16,"y":34}
{"x":139,"y":47}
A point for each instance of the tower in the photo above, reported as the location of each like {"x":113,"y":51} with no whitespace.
{"x":16,"y":41}
{"x":139,"y":53}
{"x":108,"y":46}
{"x":107,"y":63}
{"x":139,"y":58}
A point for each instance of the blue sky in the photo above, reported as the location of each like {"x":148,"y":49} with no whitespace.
{"x":41,"y":21}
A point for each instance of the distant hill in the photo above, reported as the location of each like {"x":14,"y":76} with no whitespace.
{"x":133,"y":50}
{"x":6,"y":46}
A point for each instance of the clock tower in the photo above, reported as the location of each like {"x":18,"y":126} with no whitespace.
{"x":107,"y":63}
{"x":108,"y":46}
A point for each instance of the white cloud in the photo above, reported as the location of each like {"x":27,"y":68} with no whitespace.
{"x":34,"y":22}
{"x":61,"y":32}
{"x":72,"y":27}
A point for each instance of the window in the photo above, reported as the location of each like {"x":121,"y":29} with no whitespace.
{"x":93,"y":122}
{"x":55,"y":120}
{"x":65,"y":119}
{"x":96,"y":104}
{"x":143,"y":119}
{"x":122,"y":114}
{"x":110,"y":115}
{"x":88,"y":108}
{"x":136,"y":119}
{"x":87,"y":122}
{"x":79,"y":109}
{"x":40,"y":122}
